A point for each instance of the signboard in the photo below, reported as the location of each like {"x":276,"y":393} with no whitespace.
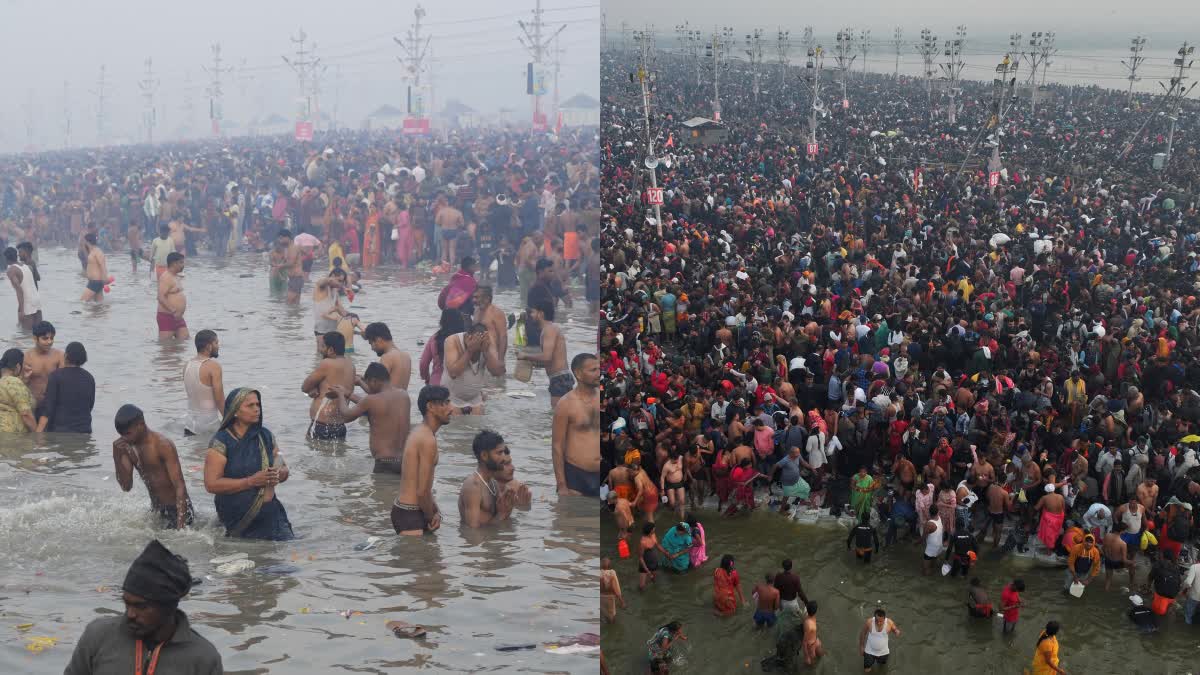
{"x":655,"y":196}
{"x":539,"y":122}
{"x":537,"y":79}
{"x":304,"y":131}
{"x":845,"y":103}
{"x":416,"y":125}
{"x":993,"y":179}
{"x":812,"y":149}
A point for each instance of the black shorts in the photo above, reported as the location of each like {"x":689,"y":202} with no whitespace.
{"x":388,"y":465}
{"x":929,"y":557}
{"x":673,"y":486}
{"x":869,"y":661}
{"x":561,"y":384}
{"x":586,"y":483}
{"x":170,"y":515}
{"x":1114,"y":564}
{"x":407,"y":518}
{"x":295,"y":284}
{"x":329,"y":432}
{"x":95,"y":286}
{"x":996,"y":518}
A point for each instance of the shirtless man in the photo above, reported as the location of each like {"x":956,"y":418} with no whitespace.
{"x":1147,"y":493}
{"x":527,"y":257}
{"x":696,"y":468}
{"x":172,"y":303}
{"x":575,"y":435}
{"x":906,"y":472}
{"x":1050,"y":503}
{"x":396,"y":360}
{"x":1116,"y":554}
{"x":610,"y":591}
{"x":450,"y":221}
{"x":179,"y":230}
{"x":623,"y":513}
{"x":1133,"y":516}
{"x":97,"y":270}
{"x":766,"y":597}
{"x":811,"y":645}
{"x":671,"y":482}
{"x":335,"y":369}
{"x":554,"y":351}
{"x":157,"y":462}
{"x":506,"y":477}
{"x":387,"y":408}
{"x":480,"y":501}
{"x":982,"y":469}
{"x":134,"y":239}
{"x":490,"y":315}
{"x":415,"y":512}
{"x":292,"y":266}
{"x":278,"y":275}
{"x":42,"y":360}
{"x":997,"y":506}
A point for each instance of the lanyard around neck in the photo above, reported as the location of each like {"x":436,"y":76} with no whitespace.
{"x":137,"y":659}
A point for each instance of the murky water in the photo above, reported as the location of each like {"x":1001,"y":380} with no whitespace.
{"x":937,"y":635}
{"x":68,"y":533}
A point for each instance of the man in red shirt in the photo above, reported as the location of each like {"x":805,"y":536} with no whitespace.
{"x":1010,"y":603}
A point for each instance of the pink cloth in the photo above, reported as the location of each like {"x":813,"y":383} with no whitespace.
{"x":462,"y":285}
{"x":404,"y":239}
{"x":431,"y":362}
{"x":699,"y":551}
{"x":1050,"y":528}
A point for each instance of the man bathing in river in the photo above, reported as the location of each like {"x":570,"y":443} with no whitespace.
{"x":388,"y":408}
{"x":575,"y":435}
{"x":481,"y":500}
{"x":291,"y":266}
{"x":490,"y":315}
{"x":204,"y":383}
{"x":157,"y":462}
{"x":42,"y":360}
{"x":415,"y":512}
{"x":172,"y":303}
{"x":554,"y":350}
{"x":96,"y":266}
{"x":335,"y":369}
{"x":397,"y":361}
{"x":468,"y":356}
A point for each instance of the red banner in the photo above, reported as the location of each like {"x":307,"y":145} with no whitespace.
{"x":304,"y":131}
{"x":654,"y":196}
{"x":416,"y":125}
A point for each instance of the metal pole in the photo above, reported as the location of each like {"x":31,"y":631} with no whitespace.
{"x":643,"y":40}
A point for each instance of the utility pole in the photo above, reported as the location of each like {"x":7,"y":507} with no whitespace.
{"x":646,"y":79}
{"x":558,"y":54}
{"x":812,"y":74}
{"x":1136,"y":45}
{"x":689,"y":46}
{"x":808,"y":40}
{"x":538,"y":45}
{"x":416,"y":51}
{"x":215,"y":94}
{"x":624,"y":36}
{"x":149,"y":85}
{"x":782,"y":45}
{"x":864,"y":46}
{"x":717,"y":52}
{"x":954,"y":65}
{"x":603,"y":31}
{"x":189,"y":104}
{"x":928,"y":48}
{"x":1177,"y":91}
{"x":100,"y":92}
{"x":337,"y":95}
{"x":1004,"y":96}
{"x":755,"y":53}
{"x":303,"y":65}
{"x":897,"y":42}
{"x":29,"y":121}
{"x":845,"y":42}
{"x":317,"y":78}
{"x":66,"y":114}
{"x":1041,"y":47}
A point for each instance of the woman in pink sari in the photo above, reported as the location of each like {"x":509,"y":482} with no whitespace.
{"x":404,"y":239}
{"x":698,"y":554}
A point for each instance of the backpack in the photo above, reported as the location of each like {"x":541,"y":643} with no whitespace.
{"x":1169,"y":582}
{"x":1179,"y":528}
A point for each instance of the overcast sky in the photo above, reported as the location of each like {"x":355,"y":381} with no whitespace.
{"x":477,"y":58}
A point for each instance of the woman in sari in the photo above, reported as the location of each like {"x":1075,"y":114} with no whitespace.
{"x":678,"y":544}
{"x":16,"y":402}
{"x":727,"y":588}
{"x":370,"y":256}
{"x":863,"y":488}
{"x":243,"y":468}
{"x":404,"y":239}
{"x":698,"y":555}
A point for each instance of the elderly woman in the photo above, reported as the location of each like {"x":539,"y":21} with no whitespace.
{"x":243,"y":468}
{"x":16,"y":402}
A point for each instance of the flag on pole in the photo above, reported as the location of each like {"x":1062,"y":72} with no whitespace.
{"x":670,"y":141}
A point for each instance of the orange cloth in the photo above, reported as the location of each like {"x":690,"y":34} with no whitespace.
{"x":571,"y":245}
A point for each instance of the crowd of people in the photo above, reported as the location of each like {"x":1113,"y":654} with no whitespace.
{"x":877,"y":331}
{"x":487,"y":208}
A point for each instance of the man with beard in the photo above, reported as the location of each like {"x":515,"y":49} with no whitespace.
{"x":387,"y":407}
{"x":481,"y":501}
{"x":153,"y":627}
{"x":575,"y":436}
{"x":203,"y":380}
{"x":396,"y":360}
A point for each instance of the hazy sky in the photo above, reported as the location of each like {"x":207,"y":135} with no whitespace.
{"x":477,"y":58}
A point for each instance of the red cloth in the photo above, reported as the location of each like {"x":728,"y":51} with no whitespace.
{"x":1008,"y":597}
{"x":458,"y":291}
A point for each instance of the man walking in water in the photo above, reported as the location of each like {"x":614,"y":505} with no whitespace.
{"x":203,"y":380}
{"x":554,"y":350}
{"x":96,"y":266}
{"x":172,"y":303}
{"x":29,"y":301}
{"x":42,"y":360}
{"x":415,"y":512}
{"x":327,"y":308}
{"x":157,"y":462}
{"x":388,"y":408}
{"x":480,"y":500}
{"x":467,"y":355}
{"x":161,"y":247}
{"x":490,"y":315}
{"x":335,"y":369}
{"x":291,"y":265}
{"x":396,"y":360}
{"x":575,"y":436}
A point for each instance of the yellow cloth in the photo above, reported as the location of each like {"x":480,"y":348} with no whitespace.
{"x":1045,"y":648}
{"x":1076,"y":392}
{"x":335,"y":251}
{"x":15,"y":399}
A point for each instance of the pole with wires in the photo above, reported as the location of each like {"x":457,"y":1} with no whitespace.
{"x":1177,"y":91}
{"x":928,"y":49}
{"x":149,"y":85}
{"x":897,"y":43}
{"x":782,"y":45}
{"x":953,"y":67}
{"x":812,"y":74}
{"x":754,"y":53}
{"x":717,"y":52}
{"x":845,"y":42}
{"x":864,"y":46}
{"x":645,"y":79}
{"x":1136,"y":45}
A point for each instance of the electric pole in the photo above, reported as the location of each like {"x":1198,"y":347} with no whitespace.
{"x":954,"y":65}
{"x":189,"y":104}
{"x":782,"y":45}
{"x":1004,"y":96}
{"x":538,"y":45}
{"x":808,"y":40}
{"x":928,"y":48}
{"x":864,"y":46}
{"x":897,"y":42}
{"x":812,"y":74}
{"x":1177,"y":91}
{"x":303,"y":64}
{"x":717,"y":52}
{"x":755,"y":53}
{"x":689,"y":46}
{"x":149,"y":85}
{"x":66,"y":114}
{"x":558,"y":54}
{"x":101,"y":93}
{"x":214,"y":90}
{"x":603,"y":31}
{"x":1136,"y":45}
{"x":1042,"y":46}
{"x":646,"y":79}
{"x":29,"y":121}
{"x":416,"y":51}
{"x":845,"y":42}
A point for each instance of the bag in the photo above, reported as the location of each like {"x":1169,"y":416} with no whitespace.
{"x":1179,"y":529}
{"x":1169,"y":582}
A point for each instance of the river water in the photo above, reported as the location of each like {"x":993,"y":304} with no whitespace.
{"x":68,"y":533}
{"x":937,"y":636}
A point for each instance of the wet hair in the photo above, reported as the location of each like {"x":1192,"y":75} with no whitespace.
{"x":787,"y":565}
{"x":543,"y":264}
{"x":880,"y":612}
{"x":376,"y":371}
{"x":127,"y":416}
{"x":205,"y":338}
{"x":164,"y":231}
{"x":580,"y":360}
{"x":43,"y":328}
{"x":486,"y":290}
{"x":467,"y":262}
{"x":452,"y":322}
{"x":377,"y":330}
{"x":337,"y":272}
{"x":90,"y":238}
{"x":11,"y":359}
{"x":543,"y":305}
{"x":1051,"y":630}
{"x":335,"y":341}
{"x":10,"y":255}
{"x":727,"y":562}
{"x":484,"y":441}
{"x":477,"y":328}
{"x":431,"y":393}
{"x":75,"y":354}
{"x":811,"y":607}
{"x":647,"y":528}
{"x":1019,"y":584}
{"x":26,"y":246}
{"x":174,"y":257}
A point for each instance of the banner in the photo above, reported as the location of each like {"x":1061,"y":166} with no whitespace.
{"x":812,"y":149}
{"x":304,"y":131}
{"x":537,"y":79}
{"x":416,"y":125}
{"x":654,"y":196}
